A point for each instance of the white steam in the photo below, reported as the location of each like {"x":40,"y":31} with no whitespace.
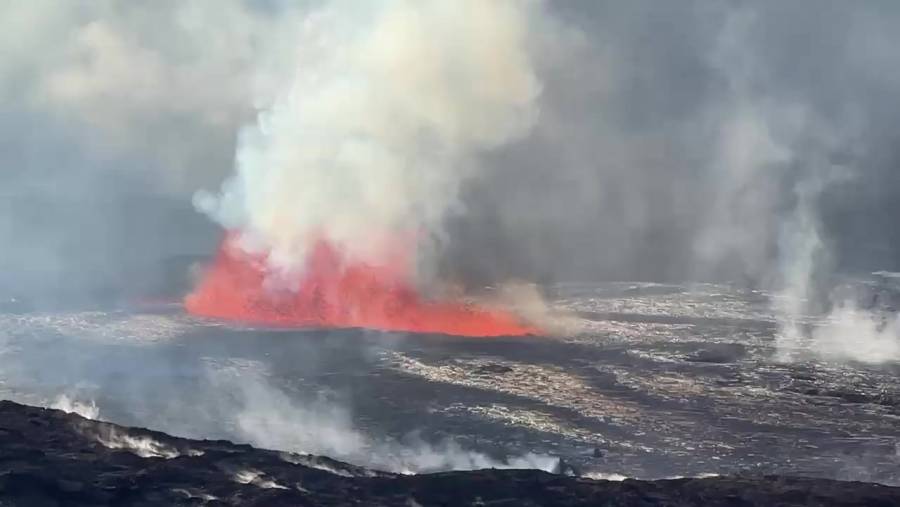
{"x":142,"y":446}
{"x":846,"y":332}
{"x":379,"y":124}
{"x":266,"y":416}
{"x":257,"y":478}
{"x":771,"y":169}
{"x":748,"y":158}
{"x":88,"y":410}
{"x":853,"y":334}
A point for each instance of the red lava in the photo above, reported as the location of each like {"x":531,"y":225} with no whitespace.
{"x":333,"y":292}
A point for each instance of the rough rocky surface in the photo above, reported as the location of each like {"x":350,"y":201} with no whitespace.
{"x":52,"y":458}
{"x":665,"y":380}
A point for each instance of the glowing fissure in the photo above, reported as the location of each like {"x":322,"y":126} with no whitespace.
{"x":332,"y":291}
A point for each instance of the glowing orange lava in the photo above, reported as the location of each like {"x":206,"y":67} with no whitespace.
{"x":335,"y":293}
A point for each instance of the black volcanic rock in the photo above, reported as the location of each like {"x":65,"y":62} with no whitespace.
{"x":719,"y":353}
{"x":50,"y":458}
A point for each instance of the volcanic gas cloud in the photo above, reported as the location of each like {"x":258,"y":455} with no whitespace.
{"x":384,"y":113}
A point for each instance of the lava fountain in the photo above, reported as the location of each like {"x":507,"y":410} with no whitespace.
{"x":374,"y":123}
{"x":332,"y":291}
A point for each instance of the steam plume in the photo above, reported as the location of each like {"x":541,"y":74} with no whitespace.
{"x":378,"y":126}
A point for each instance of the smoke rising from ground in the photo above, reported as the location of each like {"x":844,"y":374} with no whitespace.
{"x":858,"y":335}
{"x":377,"y":129}
{"x":88,"y":410}
{"x":242,"y":400}
{"x":268,"y":417}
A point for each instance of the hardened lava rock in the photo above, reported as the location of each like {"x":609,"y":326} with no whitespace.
{"x":51,"y":458}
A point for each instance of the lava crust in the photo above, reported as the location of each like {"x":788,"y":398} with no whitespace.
{"x":51,"y":458}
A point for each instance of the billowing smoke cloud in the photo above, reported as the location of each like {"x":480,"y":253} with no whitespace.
{"x":379,"y":125}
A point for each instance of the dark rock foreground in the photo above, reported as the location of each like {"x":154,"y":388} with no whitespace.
{"x":50,"y":458}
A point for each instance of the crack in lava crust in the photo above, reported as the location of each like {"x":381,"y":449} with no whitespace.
{"x":333,"y":292}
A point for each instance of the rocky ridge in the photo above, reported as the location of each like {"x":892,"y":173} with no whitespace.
{"x":53,"y":458}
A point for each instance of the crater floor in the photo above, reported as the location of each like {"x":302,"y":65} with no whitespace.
{"x":658,"y":381}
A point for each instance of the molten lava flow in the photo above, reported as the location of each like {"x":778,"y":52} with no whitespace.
{"x":335,"y":293}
